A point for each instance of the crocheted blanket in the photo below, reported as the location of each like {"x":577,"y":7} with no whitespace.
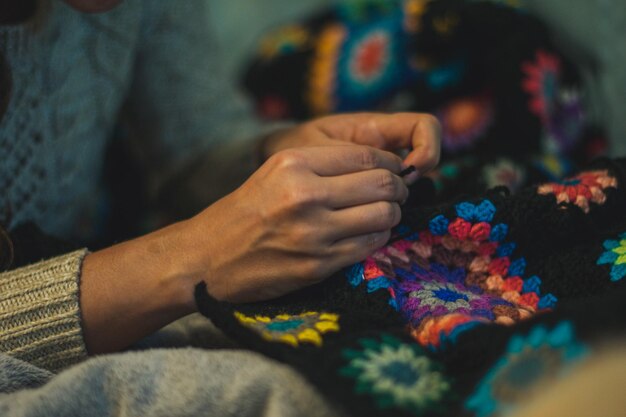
{"x":505,"y":272}
{"x":471,"y":306}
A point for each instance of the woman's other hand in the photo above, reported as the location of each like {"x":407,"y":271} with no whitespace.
{"x":417,"y":133}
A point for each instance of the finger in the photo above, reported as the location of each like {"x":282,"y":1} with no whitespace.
{"x":365,"y":187}
{"x":354,"y":249}
{"x":340,"y":160}
{"x":363,"y":219}
{"x":418,"y":131}
{"x":426,"y":143}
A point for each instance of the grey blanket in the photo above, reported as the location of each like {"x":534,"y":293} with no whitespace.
{"x":169,"y":381}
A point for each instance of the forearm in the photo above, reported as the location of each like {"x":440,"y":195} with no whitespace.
{"x":132,"y":289}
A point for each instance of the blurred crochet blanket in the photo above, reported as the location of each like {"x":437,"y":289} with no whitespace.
{"x":511,"y":105}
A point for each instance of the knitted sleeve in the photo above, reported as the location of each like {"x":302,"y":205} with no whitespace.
{"x":39,"y":312}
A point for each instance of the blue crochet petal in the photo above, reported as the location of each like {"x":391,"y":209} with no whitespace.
{"x":485,"y":211}
{"x":498,"y":232}
{"x":547,"y":301}
{"x":355,"y":274}
{"x":517,"y":267}
{"x":378,"y":283}
{"x":466,"y":211}
{"x":618,"y":272}
{"x":607,"y":258}
{"x":505,"y":249}
{"x":532,"y":284}
{"x":610,"y":244}
{"x":439,"y":225}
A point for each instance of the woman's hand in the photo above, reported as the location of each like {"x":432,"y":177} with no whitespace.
{"x":306,"y":213}
{"x":420,"y":134}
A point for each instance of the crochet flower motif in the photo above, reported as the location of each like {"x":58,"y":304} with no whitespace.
{"x":542,"y":82}
{"x":586,"y":187}
{"x":559,"y":109}
{"x":293,"y":330}
{"x":463,"y":121}
{"x":369,"y":57}
{"x":370,"y":65}
{"x":396,"y":374}
{"x":356,"y":67}
{"x":456,"y":274}
{"x":615,"y":255}
{"x":528,"y":363}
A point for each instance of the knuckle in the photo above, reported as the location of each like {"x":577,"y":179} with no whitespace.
{"x":300,"y":197}
{"x":387,"y":182}
{"x":288,"y":159}
{"x":375,"y":241}
{"x":317,"y":195}
{"x":294,"y":198}
{"x":368,"y":158}
{"x":372,"y":241}
{"x":389,"y":214}
{"x":301,"y":238}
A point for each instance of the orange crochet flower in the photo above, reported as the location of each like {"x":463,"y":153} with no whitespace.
{"x":586,"y":187}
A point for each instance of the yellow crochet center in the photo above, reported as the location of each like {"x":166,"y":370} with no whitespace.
{"x":293,"y":330}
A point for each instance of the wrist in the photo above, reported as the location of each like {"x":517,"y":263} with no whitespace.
{"x":170,"y":252}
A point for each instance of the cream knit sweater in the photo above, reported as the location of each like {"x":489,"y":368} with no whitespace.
{"x":68,"y":76}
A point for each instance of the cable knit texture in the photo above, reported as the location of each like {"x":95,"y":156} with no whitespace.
{"x":71,"y":73}
{"x":39,"y":313}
